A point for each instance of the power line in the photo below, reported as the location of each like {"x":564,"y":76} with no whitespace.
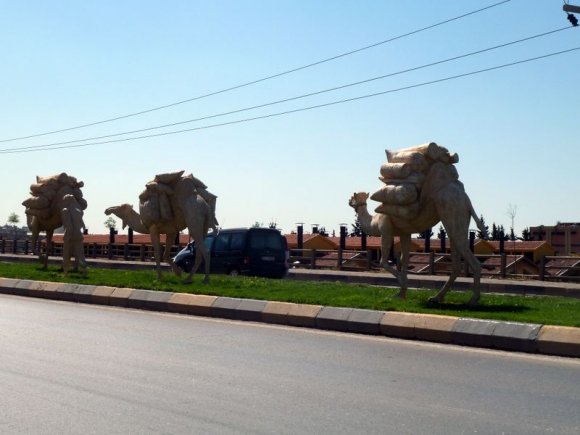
{"x":287,"y":112}
{"x":263,"y":79}
{"x":462,"y":56}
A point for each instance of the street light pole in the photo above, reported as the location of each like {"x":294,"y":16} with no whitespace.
{"x":571,"y":10}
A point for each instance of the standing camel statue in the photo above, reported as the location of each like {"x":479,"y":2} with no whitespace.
{"x":441,"y":198}
{"x":168,"y":206}
{"x":130,"y":218}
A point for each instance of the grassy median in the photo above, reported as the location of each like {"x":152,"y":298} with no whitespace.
{"x":530,"y":309}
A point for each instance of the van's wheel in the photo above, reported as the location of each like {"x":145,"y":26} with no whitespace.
{"x":234,"y":272}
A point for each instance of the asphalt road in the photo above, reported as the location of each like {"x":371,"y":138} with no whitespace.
{"x":70,"y":368}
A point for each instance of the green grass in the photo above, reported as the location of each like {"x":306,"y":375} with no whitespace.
{"x":531,"y":309}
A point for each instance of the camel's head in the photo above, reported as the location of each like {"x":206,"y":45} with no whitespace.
{"x":121,"y":211}
{"x":358,"y":199}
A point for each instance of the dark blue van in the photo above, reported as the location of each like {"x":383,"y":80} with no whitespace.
{"x":242,"y":251}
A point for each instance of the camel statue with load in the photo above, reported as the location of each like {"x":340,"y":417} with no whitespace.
{"x":421,"y":188}
{"x":169,"y":204}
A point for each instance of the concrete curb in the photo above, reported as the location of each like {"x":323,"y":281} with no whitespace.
{"x":512,"y":336}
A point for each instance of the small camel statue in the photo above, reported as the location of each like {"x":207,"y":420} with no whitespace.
{"x":72,"y":221}
{"x":185,"y":207}
{"x":441,"y":198}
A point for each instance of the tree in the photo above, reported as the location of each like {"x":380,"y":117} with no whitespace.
{"x":427,"y":234}
{"x":526,"y":234}
{"x":356,"y":230}
{"x":502,"y":231}
{"x":110,"y":223}
{"x":13,"y":218}
{"x":480,"y":234}
{"x":257,"y":225}
{"x":496,"y":231}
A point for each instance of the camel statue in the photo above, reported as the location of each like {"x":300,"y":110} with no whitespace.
{"x":421,"y":189}
{"x":168,"y":205}
{"x":45,"y":205}
{"x":130,"y":218}
{"x":72,"y":221}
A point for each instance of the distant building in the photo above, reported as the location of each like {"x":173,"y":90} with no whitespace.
{"x":563,"y":237}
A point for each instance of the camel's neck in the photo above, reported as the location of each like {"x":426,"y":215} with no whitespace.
{"x":133,"y":220}
{"x":367,"y":223}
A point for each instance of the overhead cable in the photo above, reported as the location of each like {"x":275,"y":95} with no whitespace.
{"x":259,"y":106}
{"x":263,"y":79}
{"x":318,"y":106}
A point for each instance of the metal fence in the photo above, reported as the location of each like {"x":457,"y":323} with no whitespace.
{"x":22,"y":246}
{"x":111,"y":251}
{"x":332,"y":259}
{"x":427,"y":264}
{"x":550,"y":268}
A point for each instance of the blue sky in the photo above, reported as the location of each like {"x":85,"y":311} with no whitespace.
{"x":71,"y":63}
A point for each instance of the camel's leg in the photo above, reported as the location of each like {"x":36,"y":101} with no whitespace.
{"x":44,"y":259}
{"x":206,"y":259}
{"x":386,"y":245}
{"x":169,"y":240}
{"x":154,"y":232}
{"x":176,"y":270}
{"x":34,"y":241}
{"x":455,"y":271}
{"x":66,"y":257}
{"x":80,"y":257}
{"x":455,"y":220}
{"x":196,"y":213}
{"x":196,"y":264}
{"x":36,"y":249}
{"x":405,"y":248}
{"x":201,"y":254}
{"x":32,"y":222}
{"x":475,"y":266}
{"x":455,"y":210}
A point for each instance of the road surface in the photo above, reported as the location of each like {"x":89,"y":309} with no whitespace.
{"x":71,"y":368}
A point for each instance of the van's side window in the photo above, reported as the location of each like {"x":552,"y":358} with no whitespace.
{"x":266,"y":241}
{"x":221,"y":242}
{"x":237,"y":241}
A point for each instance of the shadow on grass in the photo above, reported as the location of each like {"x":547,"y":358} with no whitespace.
{"x":481,"y":308}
